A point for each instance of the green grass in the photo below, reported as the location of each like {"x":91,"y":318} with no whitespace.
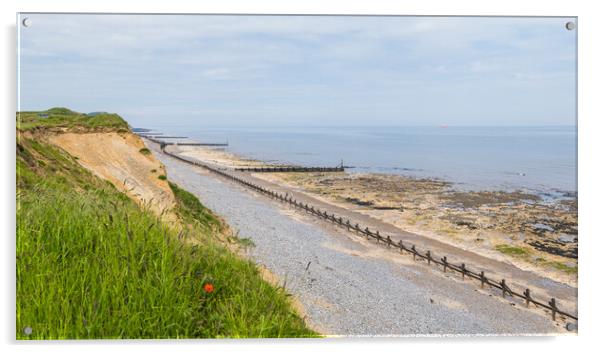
{"x":93,"y":264}
{"x":521,"y":252}
{"x":145,"y":151}
{"x":162,"y":177}
{"x":563,"y":267}
{"x":244,"y":242}
{"x":512,"y":250}
{"x":192,"y":210}
{"x":65,"y":118}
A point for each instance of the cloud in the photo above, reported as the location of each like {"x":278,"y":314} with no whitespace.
{"x":280,"y":69}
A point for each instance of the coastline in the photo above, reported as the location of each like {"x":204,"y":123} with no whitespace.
{"x":331,"y":270}
{"x":515,"y":227}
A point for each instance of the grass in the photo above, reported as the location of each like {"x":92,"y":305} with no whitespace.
{"x":93,"y":264}
{"x":563,"y":267}
{"x":67,"y":119}
{"x":162,"y":177}
{"x":524,"y":252}
{"x":242,"y":242}
{"x":145,"y":151}
{"x":512,"y":250}
{"x":191,"y":210}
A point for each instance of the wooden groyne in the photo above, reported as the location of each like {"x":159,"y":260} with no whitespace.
{"x":291,"y":169}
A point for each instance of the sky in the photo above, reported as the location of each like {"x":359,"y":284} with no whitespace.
{"x":161,"y":70}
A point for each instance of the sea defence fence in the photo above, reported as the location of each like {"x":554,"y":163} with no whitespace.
{"x":291,"y":169}
{"x":461,"y":269}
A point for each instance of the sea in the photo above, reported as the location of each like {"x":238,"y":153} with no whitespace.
{"x":541,"y":160}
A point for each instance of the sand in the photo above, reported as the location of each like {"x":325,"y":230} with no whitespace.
{"x":116,"y":157}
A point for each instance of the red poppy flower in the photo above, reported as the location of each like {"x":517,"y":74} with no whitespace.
{"x":208,"y":287}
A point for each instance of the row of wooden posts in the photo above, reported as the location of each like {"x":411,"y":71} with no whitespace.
{"x":461,"y":269}
{"x":290,"y":169}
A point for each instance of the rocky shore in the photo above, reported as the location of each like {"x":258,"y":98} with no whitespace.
{"x":518,"y":227}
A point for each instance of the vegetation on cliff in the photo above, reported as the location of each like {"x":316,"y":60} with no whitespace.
{"x":91,"y":263}
{"x":63,"y":118}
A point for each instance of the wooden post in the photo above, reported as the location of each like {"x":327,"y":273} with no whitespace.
{"x":428,"y":257}
{"x":388,"y":240}
{"x":357,"y":228}
{"x":444,"y":260}
{"x":377,"y":237}
{"x":400,"y":246}
{"x":463,"y":267}
{"x":503,"y":284}
{"x":414,"y":252}
{"x":554,"y":308}
{"x":483,"y":279}
{"x":367,"y":231}
{"x":527,"y":294}
{"x":348,"y":225}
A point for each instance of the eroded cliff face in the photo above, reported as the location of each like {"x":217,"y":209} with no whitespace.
{"x":121,"y":158}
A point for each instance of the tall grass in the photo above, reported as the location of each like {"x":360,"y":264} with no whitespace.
{"x":193,"y":211}
{"x":93,"y":264}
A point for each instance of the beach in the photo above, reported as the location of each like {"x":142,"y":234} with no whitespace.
{"x":344,"y":282}
{"x":516,"y":227}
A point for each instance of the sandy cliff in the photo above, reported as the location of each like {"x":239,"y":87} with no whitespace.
{"x":117,"y":157}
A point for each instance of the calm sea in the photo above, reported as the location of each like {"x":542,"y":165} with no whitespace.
{"x":537,"y":159}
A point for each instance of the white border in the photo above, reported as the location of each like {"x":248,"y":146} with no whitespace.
{"x":589,"y":26}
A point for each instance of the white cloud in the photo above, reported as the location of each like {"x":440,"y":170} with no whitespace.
{"x":297,"y":66}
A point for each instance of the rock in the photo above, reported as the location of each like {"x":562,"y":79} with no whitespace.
{"x":551,"y":248}
{"x":567,"y":238}
{"x":571,"y":326}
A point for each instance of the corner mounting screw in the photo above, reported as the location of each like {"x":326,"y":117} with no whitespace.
{"x":570,"y":25}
